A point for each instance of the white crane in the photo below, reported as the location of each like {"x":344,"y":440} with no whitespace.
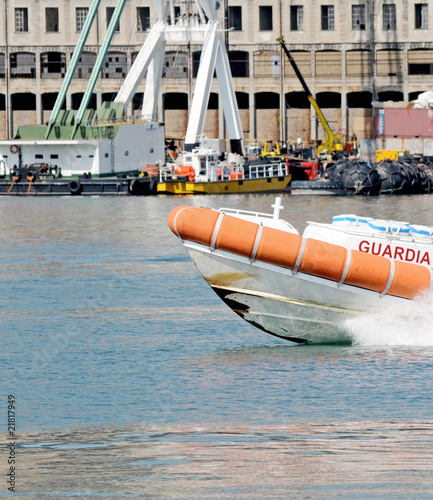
{"x":203,"y":27}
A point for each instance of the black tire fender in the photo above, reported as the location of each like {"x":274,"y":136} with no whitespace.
{"x":75,"y":187}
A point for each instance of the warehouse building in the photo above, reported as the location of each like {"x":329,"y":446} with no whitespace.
{"x":354,"y":55}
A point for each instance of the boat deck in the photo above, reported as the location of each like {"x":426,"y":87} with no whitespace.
{"x":76,"y":187}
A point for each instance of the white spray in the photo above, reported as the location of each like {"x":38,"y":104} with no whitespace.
{"x":406,"y":324}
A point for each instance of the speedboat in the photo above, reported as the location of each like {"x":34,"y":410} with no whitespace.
{"x":306,"y":288}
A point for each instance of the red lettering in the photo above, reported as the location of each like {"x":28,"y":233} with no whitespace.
{"x":398,"y":252}
{"x":425,"y":258}
{"x":407,"y":258}
{"x":379,"y":248}
{"x":364,"y":246}
{"x":387,"y":252}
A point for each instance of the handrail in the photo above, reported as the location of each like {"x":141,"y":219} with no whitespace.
{"x":124,"y":120}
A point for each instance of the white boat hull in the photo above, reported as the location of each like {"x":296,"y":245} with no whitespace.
{"x":297,"y":307}
{"x":134,"y":146}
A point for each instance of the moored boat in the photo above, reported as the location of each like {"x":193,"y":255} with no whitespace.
{"x":200,"y":172}
{"x":304,"y":288}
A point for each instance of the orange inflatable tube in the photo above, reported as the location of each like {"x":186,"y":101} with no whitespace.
{"x":306,"y":255}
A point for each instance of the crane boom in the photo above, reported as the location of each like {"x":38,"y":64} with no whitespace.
{"x":333,"y":141}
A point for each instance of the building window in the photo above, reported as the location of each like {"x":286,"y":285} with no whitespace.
{"x":421,"y":16}
{"x":23,"y":65}
{"x":115,"y":65}
{"x":389,"y":62}
{"x":265,"y":17}
{"x":235,"y":18}
{"x":21,"y":20}
{"x":80,"y":17}
{"x":52,"y":19}
{"x":359,"y":63}
{"x":239,"y":63}
{"x":389,"y":17}
{"x":358,"y":17}
{"x":328,"y":64}
{"x":143,"y":18}
{"x":53,"y":65}
{"x":266,"y":63}
{"x":110,"y":12}
{"x":2,"y":66}
{"x":420,"y":62}
{"x":328,"y":18}
{"x":175,"y":64}
{"x":296,"y":18}
{"x":85,"y":65}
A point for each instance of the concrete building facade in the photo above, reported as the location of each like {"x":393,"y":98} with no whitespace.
{"x":352,"y":54}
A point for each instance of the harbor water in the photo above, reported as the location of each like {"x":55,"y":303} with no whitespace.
{"x":129,"y":377}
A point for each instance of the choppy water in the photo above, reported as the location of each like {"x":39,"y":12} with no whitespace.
{"x":132,"y":379}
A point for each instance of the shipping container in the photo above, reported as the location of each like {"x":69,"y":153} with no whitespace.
{"x":403,"y":122}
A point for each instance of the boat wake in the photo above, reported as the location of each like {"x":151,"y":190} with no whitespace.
{"x":407,"y":324}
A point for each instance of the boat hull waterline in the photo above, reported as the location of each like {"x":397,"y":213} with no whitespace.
{"x":261,"y":185}
{"x":301,"y":292}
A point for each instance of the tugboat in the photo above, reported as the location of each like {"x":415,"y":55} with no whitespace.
{"x":201,"y":172}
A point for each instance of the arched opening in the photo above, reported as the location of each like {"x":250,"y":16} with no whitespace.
{"x":49,"y":99}
{"x":23,"y":101}
{"x":175,"y":100}
{"x":298,"y":115}
{"x":390,"y":95}
{"x":175,"y":114}
{"x":267,"y":100}
{"x":413,"y":96}
{"x":297,"y":100}
{"x":78,"y":97}
{"x":213,"y":101}
{"x":243,"y":100}
{"x":359,"y":99}
{"x":360,"y":114}
{"x":328,"y":100}
{"x":137,"y":101}
{"x":267,"y":106}
{"x":108,"y":96}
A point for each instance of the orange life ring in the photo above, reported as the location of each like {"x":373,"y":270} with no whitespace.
{"x":14,"y":149}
